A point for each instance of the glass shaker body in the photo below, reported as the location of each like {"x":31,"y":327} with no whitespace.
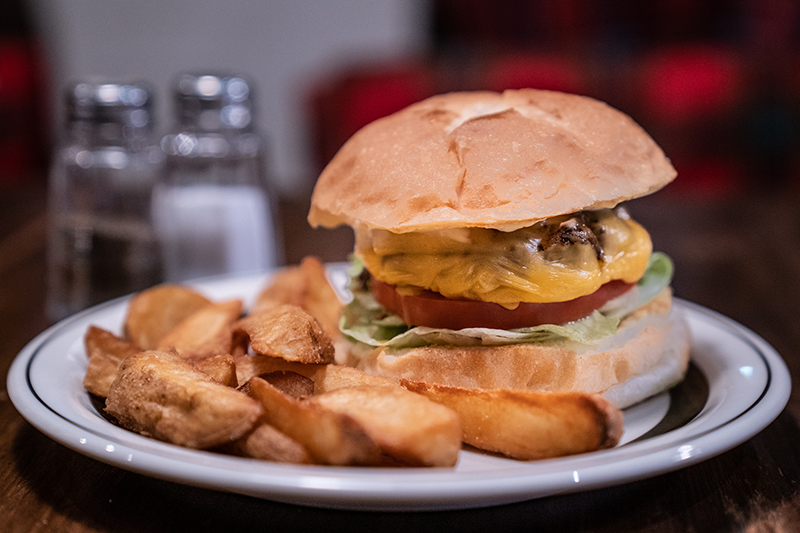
{"x":101,"y":240}
{"x":211,"y":207}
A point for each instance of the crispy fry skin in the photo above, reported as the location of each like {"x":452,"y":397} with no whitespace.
{"x":407,"y":426}
{"x":287,"y":332}
{"x":332,"y":377}
{"x":330,"y":437}
{"x":106,"y":352}
{"x":250,"y":366}
{"x":291,"y":383}
{"x":155,"y":312}
{"x":267,"y":443}
{"x":325,"y":377}
{"x":529,"y":425}
{"x":159,"y":394}
{"x":305,"y":286}
{"x":219,"y":367}
{"x":208,"y":331}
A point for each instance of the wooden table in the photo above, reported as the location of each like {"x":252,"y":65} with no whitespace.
{"x":739,"y":256}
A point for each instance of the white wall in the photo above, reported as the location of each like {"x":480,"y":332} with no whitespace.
{"x":282,"y":45}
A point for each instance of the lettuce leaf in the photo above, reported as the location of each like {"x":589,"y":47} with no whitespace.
{"x":365,"y":321}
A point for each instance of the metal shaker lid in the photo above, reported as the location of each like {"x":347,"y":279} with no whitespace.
{"x":213,"y":102}
{"x":102,"y":101}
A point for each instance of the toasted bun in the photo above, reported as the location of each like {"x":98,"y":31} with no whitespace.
{"x":649,"y":354}
{"x":491,"y":160}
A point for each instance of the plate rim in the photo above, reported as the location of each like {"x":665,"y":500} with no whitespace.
{"x":321,"y":486}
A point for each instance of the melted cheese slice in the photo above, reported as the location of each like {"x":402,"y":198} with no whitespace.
{"x":527,"y":265}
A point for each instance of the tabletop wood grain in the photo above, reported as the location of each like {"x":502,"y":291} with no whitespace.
{"x":739,"y":256}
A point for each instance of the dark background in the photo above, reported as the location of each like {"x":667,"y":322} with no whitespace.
{"x":716,"y":83}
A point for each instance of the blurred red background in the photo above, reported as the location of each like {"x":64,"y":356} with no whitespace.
{"x":716,"y":83}
{"x":23,"y":137}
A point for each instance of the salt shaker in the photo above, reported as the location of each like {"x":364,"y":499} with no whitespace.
{"x":101,"y":239}
{"x":211,"y":207}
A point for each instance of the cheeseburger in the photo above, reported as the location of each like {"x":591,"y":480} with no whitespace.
{"x":492,"y":249}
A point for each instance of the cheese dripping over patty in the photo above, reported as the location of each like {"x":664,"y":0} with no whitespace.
{"x":555,"y":260}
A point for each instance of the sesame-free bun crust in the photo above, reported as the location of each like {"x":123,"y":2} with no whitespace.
{"x":487,"y":159}
{"x":649,"y":354}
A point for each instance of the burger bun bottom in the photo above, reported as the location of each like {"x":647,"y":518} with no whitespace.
{"x":649,"y":354}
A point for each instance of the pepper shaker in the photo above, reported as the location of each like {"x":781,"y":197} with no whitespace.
{"x":101,"y":239}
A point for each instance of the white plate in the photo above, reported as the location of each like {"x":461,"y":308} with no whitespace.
{"x":738,"y":384}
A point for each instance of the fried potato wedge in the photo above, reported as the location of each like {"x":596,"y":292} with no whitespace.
{"x":291,"y":383}
{"x":106,"y":352}
{"x":332,"y":377}
{"x":155,"y":312}
{"x":406,"y":426}
{"x":307,"y":287}
{"x":250,"y":366}
{"x":208,"y":331}
{"x":529,"y":425}
{"x":287,"y":332}
{"x":219,"y":367}
{"x":330,"y":437}
{"x":267,"y":443}
{"x":159,"y":394}
{"x":325,"y":377}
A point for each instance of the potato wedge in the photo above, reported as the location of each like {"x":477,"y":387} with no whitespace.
{"x":267,"y":443}
{"x":287,"y":332}
{"x":332,"y":377}
{"x":161,"y":395}
{"x":406,"y":426}
{"x":208,"y":331}
{"x":325,"y":377}
{"x":528,"y":425}
{"x":250,"y":366}
{"x":291,"y":383}
{"x":155,"y":312}
{"x":220,"y":367}
{"x":106,"y":352}
{"x":307,"y":287}
{"x":330,"y":437}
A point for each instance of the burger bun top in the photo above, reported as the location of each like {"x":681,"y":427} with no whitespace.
{"x":490,"y":160}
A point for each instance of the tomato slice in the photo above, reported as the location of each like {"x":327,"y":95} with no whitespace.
{"x":434,"y":310}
